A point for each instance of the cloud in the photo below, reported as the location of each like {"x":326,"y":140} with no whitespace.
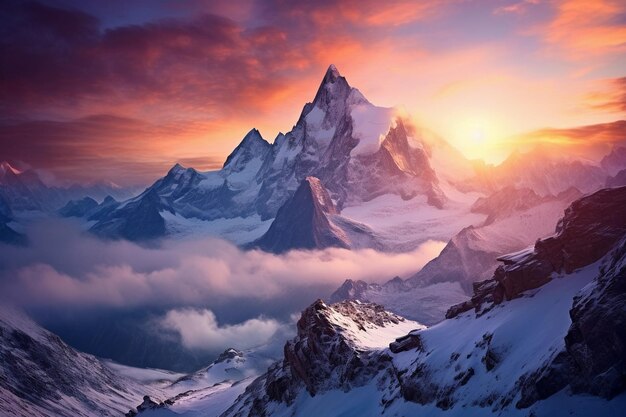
{"x":584,"y":28}
{"x":199,"y":329}
{"x":105,"y":147}
{"x":611,"y":98}
{"x":519,"y":7}
{"x":590,"y":142}
{"x":86,"y":273}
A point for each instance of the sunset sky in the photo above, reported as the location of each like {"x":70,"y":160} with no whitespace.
{"x":117,"y":90}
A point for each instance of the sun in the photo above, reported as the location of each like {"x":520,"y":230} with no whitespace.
{"x":478,"y":135}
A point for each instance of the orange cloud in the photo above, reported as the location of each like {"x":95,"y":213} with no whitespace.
{"x":588,"y":27}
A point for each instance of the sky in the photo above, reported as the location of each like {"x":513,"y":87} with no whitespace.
{"x":120,"y":91}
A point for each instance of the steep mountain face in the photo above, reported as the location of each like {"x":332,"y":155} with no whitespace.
{"x":515,"y":219}
{"x":592,"y":360}
{"x":137,"y":219}
{"x":357,"y":151}
{"x":504,"y":358}
{"x":590,"y":227}
{"x":615,"y":161}
{"x":23,"y":189}
{"x":42,"y":376}
{"x":336,"y":348}
{"x":303,"y":222}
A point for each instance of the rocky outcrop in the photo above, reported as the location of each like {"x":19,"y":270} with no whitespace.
{"x":349,"y":290}
{"x":593,"y":360}
{"x":147,"y":405}
{"x":327,"y":353}
{"x":590,"y":227}
{"x":304,"y":222}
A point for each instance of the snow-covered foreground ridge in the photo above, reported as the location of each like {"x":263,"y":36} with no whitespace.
{"x":553,"y":343}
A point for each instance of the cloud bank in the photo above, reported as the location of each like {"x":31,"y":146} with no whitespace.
{"x":64,"y":267}
{"x":199,"y":329}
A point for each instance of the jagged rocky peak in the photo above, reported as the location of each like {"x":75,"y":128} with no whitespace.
{"x":590,"y":227}
{"x":7,"y":168}
{"x":251,"y":146}
{"x":178,"y":170}
{"x":303,"y":222}
{"x":349,"y":290}
{"x":337,"y":346}
{"x":332,"y":98}
{"x":229,"y":354}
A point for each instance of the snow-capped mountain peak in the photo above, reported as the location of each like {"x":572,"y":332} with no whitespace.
{"x":251,"y":146}
{"x":6,"y":167}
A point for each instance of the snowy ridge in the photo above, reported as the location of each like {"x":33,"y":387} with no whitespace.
{"x":42,"y":376}
{"x":514,"y":221}
{"x":490,"y":361}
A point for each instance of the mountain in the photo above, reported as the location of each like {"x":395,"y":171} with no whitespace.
{"x":137,"y":219}
{"x":615,"y":160}
{"x":210,"y":390}
{"x":357,"y":151}
{"x":309,"y":220}
{"x":618,"y":180}
{"x":336,"y":348}
{"x":515,"y":219}
{"x":78,"y":208}
{"x":546,"y":170}
{"x":24,"y":190}
{"x":42,"y":376}
{"x":496,"y":355}
{"x":7,"y":233}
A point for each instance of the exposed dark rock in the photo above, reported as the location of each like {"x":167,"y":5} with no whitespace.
{"x":595,"y":345}
{"x":139,"y":219}
{"x":349,"y":290}
{"x":590,"y":227}
{"x":408,"y":342}
{"x":303,"y":222}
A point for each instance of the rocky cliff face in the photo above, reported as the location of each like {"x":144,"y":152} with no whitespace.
{"x":138,"y":219}
{"x":589,"y":228}
{"x":304,"y":222}
{"x":335,"y":348}
{"x":515,"y":219}
{"x":592,"y":360}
